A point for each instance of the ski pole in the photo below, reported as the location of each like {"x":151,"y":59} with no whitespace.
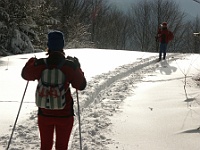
{"x":79,"y":120}
{"x":13,"y":129}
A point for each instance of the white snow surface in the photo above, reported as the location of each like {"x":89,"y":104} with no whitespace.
{"x":131,"y":102}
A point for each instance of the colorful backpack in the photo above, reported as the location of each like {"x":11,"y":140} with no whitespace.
{"x":50,"y":91}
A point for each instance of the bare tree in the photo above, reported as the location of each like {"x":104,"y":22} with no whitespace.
{"x":78,"y":35}
{"x":169,"y":11}
{"x":188,"y":42}
{"x":141,"y":21}
{"x":146,"y":16}
{"x":99,"y":11}
{"x":111,"y":30}
{"x":72,"y":20}
{"x":196,"y":39}
{"x":183,"y":40}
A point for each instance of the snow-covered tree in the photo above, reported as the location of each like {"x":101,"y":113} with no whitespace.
{"x":15,"y":39}
{"x":72,"y":16}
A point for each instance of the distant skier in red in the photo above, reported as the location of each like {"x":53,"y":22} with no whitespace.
{"x":164,"y":36}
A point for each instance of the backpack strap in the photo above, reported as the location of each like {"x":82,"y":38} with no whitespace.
{"x":45,"y":62}
{"x":59,"y":66}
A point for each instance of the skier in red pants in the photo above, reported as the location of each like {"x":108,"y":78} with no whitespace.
{"x":58,"y":120}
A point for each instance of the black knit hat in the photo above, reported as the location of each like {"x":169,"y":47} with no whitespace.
{"x":55,"y":41}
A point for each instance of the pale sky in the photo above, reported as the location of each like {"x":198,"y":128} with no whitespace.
{"x":188,"y":6}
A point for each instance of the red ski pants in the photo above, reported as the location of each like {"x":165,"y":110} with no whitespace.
{"x":62,"y":128}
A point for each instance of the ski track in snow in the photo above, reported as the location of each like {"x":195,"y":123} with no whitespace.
{"x":105,"y":92}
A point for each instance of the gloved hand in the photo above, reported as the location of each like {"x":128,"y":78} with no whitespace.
{"x":75,"y":60}
{"x":32,"y":61}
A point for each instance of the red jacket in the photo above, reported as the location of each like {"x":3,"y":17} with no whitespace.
{"x":74,"y":75}
{"x":164,"y":35}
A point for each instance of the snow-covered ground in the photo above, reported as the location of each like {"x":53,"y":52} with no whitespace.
{"x":131,"y":102}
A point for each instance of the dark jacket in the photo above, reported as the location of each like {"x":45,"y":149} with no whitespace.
{"x":74,"y":75}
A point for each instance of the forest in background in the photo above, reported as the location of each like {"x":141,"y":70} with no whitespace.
{"x":24,"y":25}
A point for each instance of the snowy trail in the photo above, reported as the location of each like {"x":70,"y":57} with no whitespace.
{"x":102,"y":98}
{"x":96,"y":117}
